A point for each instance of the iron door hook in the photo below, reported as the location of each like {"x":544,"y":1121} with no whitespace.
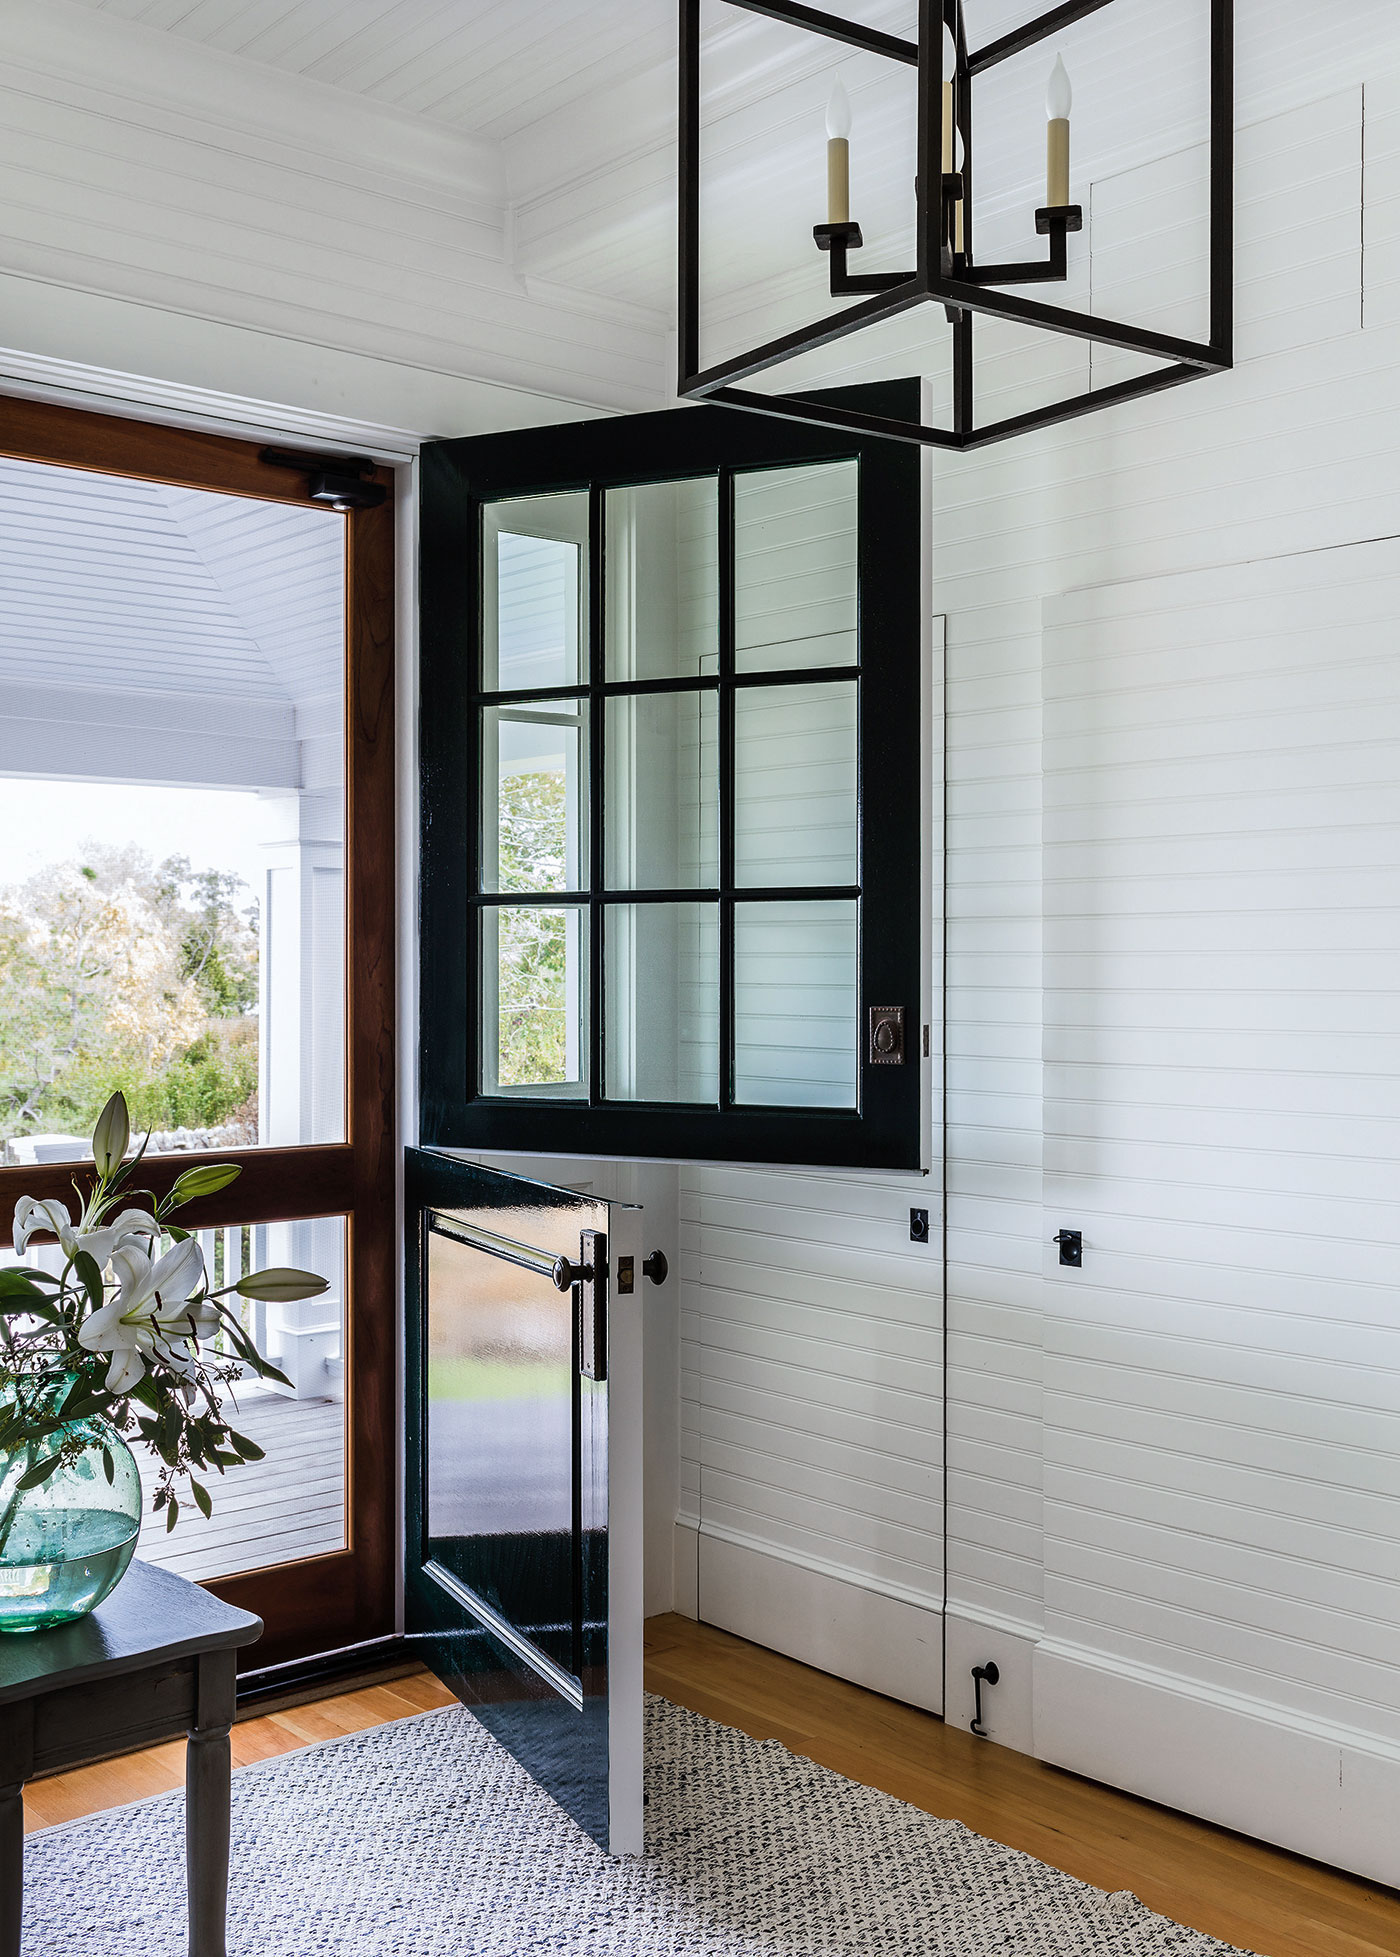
{"x":991,"y":1672}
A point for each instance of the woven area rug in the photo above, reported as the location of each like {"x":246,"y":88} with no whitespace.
{"x":425,"y":1839}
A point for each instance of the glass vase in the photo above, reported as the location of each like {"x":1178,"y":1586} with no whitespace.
{"x":66,"y":1544}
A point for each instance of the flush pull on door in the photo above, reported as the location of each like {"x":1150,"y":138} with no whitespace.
{"x":886,"y":1036}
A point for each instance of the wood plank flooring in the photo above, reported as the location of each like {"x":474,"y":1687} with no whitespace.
{"x":161,"y":1769}
{"x":1241,"y":1891}
{"x":1259,"y":1898}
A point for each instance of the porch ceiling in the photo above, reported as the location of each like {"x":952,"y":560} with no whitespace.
{"x":159,"y":634}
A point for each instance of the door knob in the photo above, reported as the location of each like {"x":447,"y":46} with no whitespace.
{"x":567,"y":1275}
{"x":655,"y":1267}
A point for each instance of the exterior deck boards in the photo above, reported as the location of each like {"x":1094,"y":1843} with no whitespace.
{"x":287,"y":1507}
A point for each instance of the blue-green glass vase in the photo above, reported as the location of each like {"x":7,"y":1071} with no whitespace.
{"x":66,"y":1544}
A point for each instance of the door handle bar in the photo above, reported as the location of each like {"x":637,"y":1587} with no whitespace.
{"x":521,"y":1255}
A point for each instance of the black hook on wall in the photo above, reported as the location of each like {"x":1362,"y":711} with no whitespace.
{"x":991,"y":1672}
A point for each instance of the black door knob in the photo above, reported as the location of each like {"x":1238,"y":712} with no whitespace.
{"x":655,"y":1267}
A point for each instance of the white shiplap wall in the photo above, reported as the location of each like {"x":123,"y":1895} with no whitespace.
{"x":1222,"y":860}
{"x":1172,"y":847}
{"x":812,"y":1328}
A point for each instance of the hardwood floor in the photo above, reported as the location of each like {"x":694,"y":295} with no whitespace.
{"x":1256,"y":1897}
{"x":1246,"y":1894}
{"x":159,"y":1769}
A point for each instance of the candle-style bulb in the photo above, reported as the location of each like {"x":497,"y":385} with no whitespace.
{"x":838,"y":113}
{"x":838,"y":156}
{"x":950,"y":54}
{"x":1059,"y":96}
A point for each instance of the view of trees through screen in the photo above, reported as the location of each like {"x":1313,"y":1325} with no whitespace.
{"x":120,"y":971}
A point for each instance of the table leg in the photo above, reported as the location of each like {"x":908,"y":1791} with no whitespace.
{"x":11,"y":1867}
{"x":16,"y":1765}
{"x":207,"y":1786}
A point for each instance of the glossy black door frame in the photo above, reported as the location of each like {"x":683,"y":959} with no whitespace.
{"x":942,"y":276}
{"x":554,"y":1719}
{"x":457,"y":478}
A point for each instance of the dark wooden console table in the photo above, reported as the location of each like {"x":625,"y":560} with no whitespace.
{"x":156,"y":1660}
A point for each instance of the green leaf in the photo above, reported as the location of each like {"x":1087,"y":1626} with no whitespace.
{"x":206,"y":1180}
{"x":39,"y":1473}
{"x":18,"y":1284}
{"x":172,"y":1515}
{"x":167,"y":1432}
{"x":109,"y":1465}
{"x":248,"y":1449}
{"x":201,"y":1497}
{"x":90,"y":1277}
{"x":174,"y":1230}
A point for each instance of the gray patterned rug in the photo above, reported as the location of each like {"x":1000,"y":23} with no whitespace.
{"x":425,"y":1839}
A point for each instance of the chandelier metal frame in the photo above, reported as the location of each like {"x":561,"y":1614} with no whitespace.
{"x":945,"y":274}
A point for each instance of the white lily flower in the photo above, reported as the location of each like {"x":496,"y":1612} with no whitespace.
{"x":32,"y":1216}
{"x":153,"y":1314}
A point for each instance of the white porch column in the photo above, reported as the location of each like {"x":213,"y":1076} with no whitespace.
{"x":302,"y":1060}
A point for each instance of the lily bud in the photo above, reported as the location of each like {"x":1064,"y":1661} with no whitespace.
{"x":281,"y":1286}
{"x":204,"y":1181}
{"x":111,"y":1135}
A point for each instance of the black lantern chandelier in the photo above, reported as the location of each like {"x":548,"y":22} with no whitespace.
{"x":947,"y":272}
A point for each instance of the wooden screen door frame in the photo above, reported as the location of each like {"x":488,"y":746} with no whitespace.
{"x":348,"y":1596}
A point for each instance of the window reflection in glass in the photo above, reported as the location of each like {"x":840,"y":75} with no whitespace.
{"x":662,"y":988}
{"x":662,"y":581}
{"x":796,"y":809}
{"x":534,"y":995}
{"x":535,"y":566}
{"x":661,"y":813}
{"x":795,"y":567}
{"x":535,"y":787}
{"x":796,"y":999}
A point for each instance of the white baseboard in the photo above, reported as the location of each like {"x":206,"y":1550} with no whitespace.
{"x":1006,"y":1706}
{"x":685,"y":1570}
{"x":885,"y":1643}
{"x":1328,"y":1793}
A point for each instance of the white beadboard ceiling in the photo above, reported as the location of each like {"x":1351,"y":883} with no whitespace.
{"x":176,"y":608}
{"x":579,"y":98}
{"x":488,"y":66}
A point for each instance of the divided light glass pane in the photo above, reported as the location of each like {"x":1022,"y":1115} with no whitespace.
{"x":662,"y":993}
{"x":662,"y":556}
{"x":534,"y":1000}
{"x":796,"y":810}
{"x":534,"y":561}
{"x":796,"y":1004}
{"x":534,"y":785}
{"x":795,"y":567}
{"x":661,"y":810}
{"x":498,"y":1493}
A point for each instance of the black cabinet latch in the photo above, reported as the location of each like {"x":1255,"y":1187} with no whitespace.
{"x":1071,"y":1244}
